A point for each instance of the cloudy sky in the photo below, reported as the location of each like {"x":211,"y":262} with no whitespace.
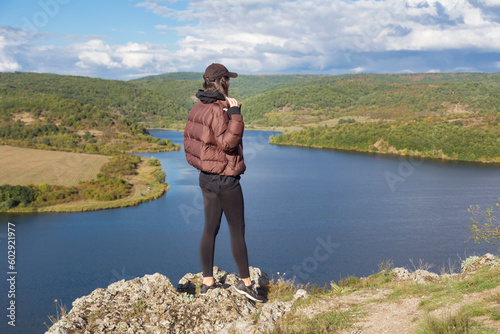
{"x":127,"y":39}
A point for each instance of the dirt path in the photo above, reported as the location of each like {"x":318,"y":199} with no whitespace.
{"x":389,"y":317}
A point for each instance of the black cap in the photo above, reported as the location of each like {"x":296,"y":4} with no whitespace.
{"x":216,"y":71}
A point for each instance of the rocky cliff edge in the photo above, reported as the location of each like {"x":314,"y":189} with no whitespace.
{"x":151,"y":304}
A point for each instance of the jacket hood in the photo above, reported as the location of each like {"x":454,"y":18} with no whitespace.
{"x":209,"y":96}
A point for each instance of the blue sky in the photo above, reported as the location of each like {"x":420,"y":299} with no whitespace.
{"x":127,"y":39}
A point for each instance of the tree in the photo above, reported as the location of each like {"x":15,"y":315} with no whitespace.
{"x":11,"y":196}
{"x":87,"y":136}
{"x":159,"y":176}
{"x":488,"y":229}
{"x":154,"y":162}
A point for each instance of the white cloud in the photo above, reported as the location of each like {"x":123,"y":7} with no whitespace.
{"x":434,"y":70}
{"x":8,"y":62}
{"x":94,"y":53}
{"x":96,"y":58}
{"x":131,"y":47}
{"x":268,"y":36}
{"x":358,"y":69}
{"x":136,"y":56}
{"x":93,"y":45}
{"x":161,"y":27}
{"x":490,"y":3}
{"x":434,"y":38}
{"x":156,"y":8}
{"x":262,"y":29}
{"x":10,"y":41}
{"x":464,"y":69}
{"x":140,"y":57}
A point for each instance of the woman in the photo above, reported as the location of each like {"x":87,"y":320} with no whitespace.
{"x":213,"y":144}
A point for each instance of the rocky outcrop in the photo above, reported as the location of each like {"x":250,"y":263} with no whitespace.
{"x":151,"y":304}
{"x":468,"y":267}
{"x":474,"y":263}
{"x":418,"y":276}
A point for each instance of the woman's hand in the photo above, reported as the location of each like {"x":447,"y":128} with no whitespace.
{"x":232,"y":102}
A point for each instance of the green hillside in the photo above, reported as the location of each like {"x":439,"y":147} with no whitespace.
{"x":80,"y":114}
{"x":178,"y":87}
{"x":439,"y":115}
{"x":330,"y":99}
{"x":346,"y":111}
{"x":182,"y":87}
{"x":282,"y":100}
{"x":447,"y":116}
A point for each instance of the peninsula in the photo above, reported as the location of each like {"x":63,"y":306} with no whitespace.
{"x":33,"y":180}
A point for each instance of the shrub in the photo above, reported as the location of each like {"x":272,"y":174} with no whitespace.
{"x":488,"y":229}
{"x":468,"y":263}
{"x":121,"y":165}
{"x":154,"y":162}
{"x":53,"y":194}
{"x":105,"y":189}
{"x":159,"y":176}
{"x":456,"y":324}
{"x":346,"y":120}
{"x":12,"y":196}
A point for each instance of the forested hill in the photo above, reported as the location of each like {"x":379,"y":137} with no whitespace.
{"x":183,"y":85}
{"x":281,"y":100}
{"x":439,"y":115}
{"x":92,"y":115}
{"x":80,"y":114}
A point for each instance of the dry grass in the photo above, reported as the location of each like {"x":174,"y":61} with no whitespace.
{"x":25,"y":117}
{"x":24,"y":166}
{"x":378,"y":304}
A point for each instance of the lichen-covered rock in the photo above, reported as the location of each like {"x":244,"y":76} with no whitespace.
{"x":468,"y":266}
{"x":271,"y":312}
{"x":189,"y":282}
{"x":418,"y":276}
{"x":473,"y":263}
{"x":151,"y":304}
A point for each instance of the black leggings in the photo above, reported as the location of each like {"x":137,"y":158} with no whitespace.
{"x":230,"y":203}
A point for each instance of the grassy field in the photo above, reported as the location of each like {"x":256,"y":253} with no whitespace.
{"x":24,"y":166}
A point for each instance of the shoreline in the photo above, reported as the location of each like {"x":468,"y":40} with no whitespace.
{"x":392,"y":154}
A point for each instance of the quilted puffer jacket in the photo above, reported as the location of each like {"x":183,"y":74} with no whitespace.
{"x":213,"y":138}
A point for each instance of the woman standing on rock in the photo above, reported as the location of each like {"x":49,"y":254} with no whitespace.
{"x":213,"y":144}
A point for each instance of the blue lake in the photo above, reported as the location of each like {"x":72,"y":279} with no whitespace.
{"x":318,"y":215}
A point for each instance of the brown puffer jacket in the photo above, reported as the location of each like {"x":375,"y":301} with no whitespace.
{"x":213,"y":139}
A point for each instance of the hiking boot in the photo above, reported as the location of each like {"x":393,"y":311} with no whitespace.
{"x":249,"y":291}
{"x":217,"y":285}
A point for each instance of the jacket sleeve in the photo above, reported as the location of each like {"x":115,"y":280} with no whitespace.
{"x":228,"y":130}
